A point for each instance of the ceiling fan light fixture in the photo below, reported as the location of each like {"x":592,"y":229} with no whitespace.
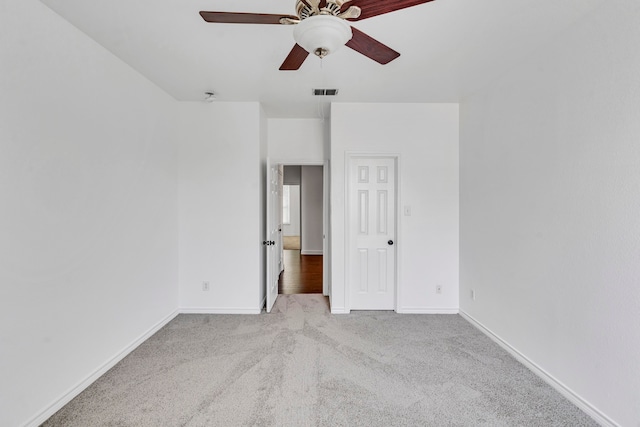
{"x":322,"y":34}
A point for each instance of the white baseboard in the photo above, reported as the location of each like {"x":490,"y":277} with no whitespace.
{"x":427,"y":310}
{"x":407,"y":310}
{"x":311,"y":252}
{"x":220,"y":310}
{"x":82,"y":385}
{"x":573,"y":397}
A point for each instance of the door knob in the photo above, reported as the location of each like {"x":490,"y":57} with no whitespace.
{"x":390,"y":243}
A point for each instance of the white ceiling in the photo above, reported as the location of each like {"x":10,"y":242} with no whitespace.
{"x":449,"y":48}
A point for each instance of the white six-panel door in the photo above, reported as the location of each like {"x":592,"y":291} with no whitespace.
{"x":372,"y":231}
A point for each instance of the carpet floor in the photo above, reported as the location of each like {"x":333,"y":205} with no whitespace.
{"x":302,"y":366}
{"x":291,"y":243}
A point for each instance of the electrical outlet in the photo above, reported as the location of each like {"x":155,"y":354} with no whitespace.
{"x":205,"y":286}
{"x":473,"y":295}
{"x":438,"y":289}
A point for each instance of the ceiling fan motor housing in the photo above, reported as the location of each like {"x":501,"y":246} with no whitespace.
{"x":308,"y":8}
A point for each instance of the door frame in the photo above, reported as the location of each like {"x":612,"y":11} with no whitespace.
{"x":326,"y":246}
{"x":349,"y":155}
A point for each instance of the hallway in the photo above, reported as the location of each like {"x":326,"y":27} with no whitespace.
{"x":302,"y":274}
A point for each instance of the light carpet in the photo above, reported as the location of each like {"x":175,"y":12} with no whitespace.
{"x":291,"y":243}
{"x":302,"y":366}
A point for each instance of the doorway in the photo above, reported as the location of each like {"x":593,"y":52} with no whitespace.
{"x":302,"y":229}
{"x":314,"y":231}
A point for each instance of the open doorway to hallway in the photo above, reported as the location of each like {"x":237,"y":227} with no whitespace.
{"x":302,"y":230}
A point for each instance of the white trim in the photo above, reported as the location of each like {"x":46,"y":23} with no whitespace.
{"x":326,"y":181}
{"x":346,"y":291}
{"x":220,"y":310}
{"x":398,"y":237}
{"x":339,"y":310}
{"x":428,"y":310}
{"x":311,"y":252}
{"x":290,"y":162}
{"x":82,"y":385}
{"x":572,"y":396}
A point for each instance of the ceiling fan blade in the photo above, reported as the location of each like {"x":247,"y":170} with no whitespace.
{"x":244,"y":18}
{"x":376,"y":7}
{"x":371,"y":48}
{"x":295,"y":58}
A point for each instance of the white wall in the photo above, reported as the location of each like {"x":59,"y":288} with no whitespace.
{"x":300,"y":142}
{"x":297,"y":141}
{"x":220,"y":215}
{"x":311,"y":210}
{"x":426,"y":138}
{"x":88,"y":215}
{"x":550,"y":201}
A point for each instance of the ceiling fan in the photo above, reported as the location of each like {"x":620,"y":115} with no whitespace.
{"x":321,"y":27}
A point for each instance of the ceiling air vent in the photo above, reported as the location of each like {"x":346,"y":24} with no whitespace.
{"x":325,"y":92}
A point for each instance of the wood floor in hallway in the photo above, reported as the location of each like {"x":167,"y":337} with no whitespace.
{"x":302,"y":274}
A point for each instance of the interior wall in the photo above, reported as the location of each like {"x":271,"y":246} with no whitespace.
{"x":302,"y":142}
{"x":220,"y":214}
{"x":88,"y":218}
{"x":425,"y":136}
{"x":297,"y":141}
{"x":311,"y":210}
{"x":549,"y":211}
{"x":292,"y":175}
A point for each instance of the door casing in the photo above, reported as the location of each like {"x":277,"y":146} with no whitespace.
{"x":326,"y":247}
